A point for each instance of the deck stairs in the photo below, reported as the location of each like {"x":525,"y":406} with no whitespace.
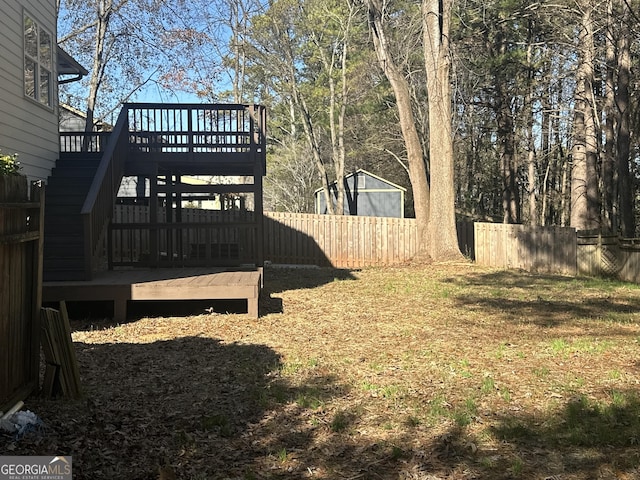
{"x":66,"y":191}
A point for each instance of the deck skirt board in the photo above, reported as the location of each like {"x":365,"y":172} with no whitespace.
{"x":121,"y":286}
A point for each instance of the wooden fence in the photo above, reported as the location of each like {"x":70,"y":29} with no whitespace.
{"x":343,"y":241}
{"x":290,"y":238}
{"x":609,"y":256}
{"x":535,"y":249}
{"x":20,"y":288}
{"x":557,"y":250}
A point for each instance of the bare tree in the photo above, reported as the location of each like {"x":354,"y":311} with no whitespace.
{"x":443,"y":238}
{"x":115,"y":38}
{"x":627,"y":224}
{"x":400,"y":86}
{"x":584,"y":192}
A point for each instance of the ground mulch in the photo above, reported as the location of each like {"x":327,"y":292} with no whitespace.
{"x":415,"y":372}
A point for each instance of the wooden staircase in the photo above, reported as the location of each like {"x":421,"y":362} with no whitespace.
{"x":66,"y":191}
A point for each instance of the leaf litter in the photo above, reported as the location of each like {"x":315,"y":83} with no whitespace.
{"x":412,"y":372}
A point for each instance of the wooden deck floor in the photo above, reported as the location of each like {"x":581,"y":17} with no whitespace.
{"x":199,"y":283}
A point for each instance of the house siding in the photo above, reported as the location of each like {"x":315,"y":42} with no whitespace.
{"x":26,"y":127}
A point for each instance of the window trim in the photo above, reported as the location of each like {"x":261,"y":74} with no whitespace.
{"x":39,"y":63}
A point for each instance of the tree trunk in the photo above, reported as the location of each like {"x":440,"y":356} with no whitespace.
{"x":609,"y":188}
{"x":546,"y":140}
{"x":415,"y":158}
{"x":531,"y":149}
{"x":584,"y":204}
{"x":507,"y":149}
{"x":105,"y":9}
{"x":311,"y":136}
{"x":337,"y":111}
{"x":627,"y":224}
{"x":443,"y":237}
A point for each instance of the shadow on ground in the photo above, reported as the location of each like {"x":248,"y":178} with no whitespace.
{"x":187,"y":403}
{"x":583,"y":439}
{"x":202,"y":409}
{"x":529,"y":298}
{"x":279,"y":279}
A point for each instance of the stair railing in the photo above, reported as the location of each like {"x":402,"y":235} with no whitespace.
{"x":97,"y":210}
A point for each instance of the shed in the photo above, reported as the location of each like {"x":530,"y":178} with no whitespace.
{"x":366,"y":194}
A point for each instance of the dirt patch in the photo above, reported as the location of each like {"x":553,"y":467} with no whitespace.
{"x":420,"y":372}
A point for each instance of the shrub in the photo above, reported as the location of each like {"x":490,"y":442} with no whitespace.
{"x":9,"y":164}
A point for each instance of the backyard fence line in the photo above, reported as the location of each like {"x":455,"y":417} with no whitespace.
{"x":348,"y":241}
{"x":536,"y":249}
{"x":557,"y":250}
{"x":342,"y":241}
{"x":21,"y":263}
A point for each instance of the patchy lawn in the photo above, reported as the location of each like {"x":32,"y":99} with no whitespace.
{"x":439,"y":372}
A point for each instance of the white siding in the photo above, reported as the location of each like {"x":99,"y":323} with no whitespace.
{"x":26,"y":127}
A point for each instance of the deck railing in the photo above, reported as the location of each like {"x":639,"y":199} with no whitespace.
{"x":98,"y":206}
{"x":202,"y":237}
{"x":197,"y":128}
{"x":149,"y":128}
{"x":82,"y":142}
{"x":167,"y":128}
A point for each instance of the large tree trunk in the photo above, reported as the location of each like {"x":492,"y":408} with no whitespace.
{"x":415,"y":158}
{"x":584,"y":183}
{"x":443,"y":238}
{"x":507,"y":151}
{"x":627,"y":224}
{"x":506,"y":136}
{"x":609,"y":187}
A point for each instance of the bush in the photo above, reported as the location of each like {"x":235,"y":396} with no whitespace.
{"x":9,"y":164}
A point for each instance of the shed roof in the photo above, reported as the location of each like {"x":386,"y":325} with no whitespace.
{"x":361,"y":170}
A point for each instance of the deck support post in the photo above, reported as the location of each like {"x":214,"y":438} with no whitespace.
{"x":252,"y":307}
{"x":119,"y":310}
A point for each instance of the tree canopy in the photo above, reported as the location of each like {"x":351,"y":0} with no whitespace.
{"x":542,"y":103}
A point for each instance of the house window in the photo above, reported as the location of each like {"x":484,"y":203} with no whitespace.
{"x":38,"y":61}
{"x":360,"y":182}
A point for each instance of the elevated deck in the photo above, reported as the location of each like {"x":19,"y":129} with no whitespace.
{"x":121,"y":286}
{"x":206,"y":230}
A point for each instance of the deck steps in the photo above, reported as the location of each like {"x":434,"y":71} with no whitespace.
{"x":67,"y":189}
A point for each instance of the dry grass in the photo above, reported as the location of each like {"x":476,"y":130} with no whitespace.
{"x":445,"y":372}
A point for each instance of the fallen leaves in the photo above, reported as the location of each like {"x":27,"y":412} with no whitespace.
{"x":413,"y":372}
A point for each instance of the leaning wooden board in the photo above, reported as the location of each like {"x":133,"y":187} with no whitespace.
{"x":62,"y":374}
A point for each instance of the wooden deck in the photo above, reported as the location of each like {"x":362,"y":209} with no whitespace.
{"x":198,"y":283}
